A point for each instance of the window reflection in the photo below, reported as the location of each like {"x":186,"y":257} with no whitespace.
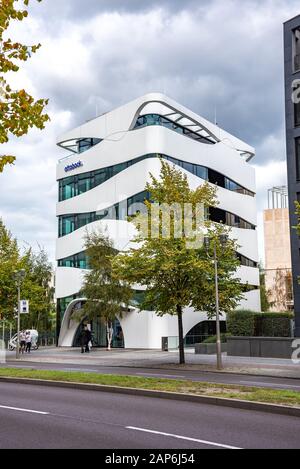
{"x":80,"y":261}
{"x":73,"y":186}
{"x":156,"y":119}
{"x":85,"y":144}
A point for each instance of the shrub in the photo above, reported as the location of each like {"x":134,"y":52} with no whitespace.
{"x":273,"y":324}
{"x":248,"y":323}
{"x":241,"y":323}
{"x":213,"y":339}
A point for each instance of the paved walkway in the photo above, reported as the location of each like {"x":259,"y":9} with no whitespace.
{"x":164,"y":360}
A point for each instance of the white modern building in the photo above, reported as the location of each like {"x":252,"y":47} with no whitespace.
{"x":106,"y":173}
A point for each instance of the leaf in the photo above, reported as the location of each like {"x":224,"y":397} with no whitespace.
{"x":19,"y":112}
{"x":4,"y":160}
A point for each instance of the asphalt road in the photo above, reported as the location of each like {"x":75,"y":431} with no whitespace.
{"x":42,"y":417}
{"x":223,"y":378}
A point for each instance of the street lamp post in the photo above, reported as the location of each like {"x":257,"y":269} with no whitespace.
{"x":223,"y":239}
{"x":19,"y":277}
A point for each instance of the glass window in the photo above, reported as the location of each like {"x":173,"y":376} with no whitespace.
{"x":166,"y":123}
{"x":101,"y":214}
{"x":119,"y":167}
{"x":137,"y":199}
{"x":100,"y":177}
{"x":217,"y":215}
{"x":233,"y":186}
{"x":84,"y":219}
{"x":68,"y":225}
{"x":155,"y":119}
{"x":296,"y":51}
{"x":152,"y":119}
{"x":67,"y":188}
{"x":84,"y":183}
{"x":202,"y":172}
{"x":172,"y":160}
{"x":85,"y":144}
{"x":188,"y":167}
{"x":141,"y":121}
{"x":76,"y":185}
{"x":178,"y":129}
{"x":78,"y":261}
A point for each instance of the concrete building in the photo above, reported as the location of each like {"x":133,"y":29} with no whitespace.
{"x":292,"y":106}
{"x":278,"y":264}
{"x":105,"y":176}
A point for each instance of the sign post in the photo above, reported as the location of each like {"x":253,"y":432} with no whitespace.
{"x":19,"y":276}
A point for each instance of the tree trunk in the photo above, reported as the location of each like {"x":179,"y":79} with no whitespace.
{"x":180,"y":335}
{"x":109,"y":334}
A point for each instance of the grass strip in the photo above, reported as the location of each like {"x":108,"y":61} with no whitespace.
{"x":245,"y":393}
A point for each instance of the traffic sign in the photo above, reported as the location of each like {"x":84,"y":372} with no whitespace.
{"x":24,"y":307}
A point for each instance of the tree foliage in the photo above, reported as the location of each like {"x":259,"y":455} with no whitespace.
{"x":175,"y":274}
{"x":265,"y":294}
{"x":19,"y":111}
{"x":36,"y":286}
{"x":106,"y":297}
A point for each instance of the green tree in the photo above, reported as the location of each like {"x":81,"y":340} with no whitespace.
{"x":106,"y":297}
{"x":36,"y":286}
{"x":18,"y":110}
{"x":38,"y":289}
{"x":177,"y":274}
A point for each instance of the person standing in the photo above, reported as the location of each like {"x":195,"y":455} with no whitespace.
{"x":28,"y":341}
{"x":22,"y":342}
{"x":85,"y":338}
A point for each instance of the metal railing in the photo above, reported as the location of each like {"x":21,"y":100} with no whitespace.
{"x":46,"y":339}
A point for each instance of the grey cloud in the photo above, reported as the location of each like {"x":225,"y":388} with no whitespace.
{"x":80,"y":10}
{"x":204,"y":59}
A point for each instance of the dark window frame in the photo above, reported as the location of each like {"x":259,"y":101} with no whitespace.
{"x":111,"y":171}
{"x":159,"y":120}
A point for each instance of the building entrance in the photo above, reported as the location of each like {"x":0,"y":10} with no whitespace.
{"x":98,"y":328}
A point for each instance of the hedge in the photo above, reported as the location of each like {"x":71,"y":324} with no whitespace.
{"x":248,"y":323}
{"x":273,"y":325}
{"x":241,"y":323}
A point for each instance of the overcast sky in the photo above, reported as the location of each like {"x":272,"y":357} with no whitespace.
{"x":99,"y":54}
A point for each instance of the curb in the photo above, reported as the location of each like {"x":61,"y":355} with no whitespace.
{"x":216,"y":401}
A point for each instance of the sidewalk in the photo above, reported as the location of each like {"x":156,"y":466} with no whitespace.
{"x":165,"y":360}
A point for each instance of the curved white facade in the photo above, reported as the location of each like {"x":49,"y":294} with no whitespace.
{"x":114,"y":139}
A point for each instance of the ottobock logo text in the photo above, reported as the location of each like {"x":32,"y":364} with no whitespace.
{"x":73,"y":166}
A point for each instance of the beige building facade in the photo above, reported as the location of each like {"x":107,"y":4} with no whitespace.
{"x":278,"y":268}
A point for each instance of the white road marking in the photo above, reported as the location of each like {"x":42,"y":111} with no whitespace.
{"x":271,"y":385}
{"x":179,"y":437}
{"x":24,"y":410}
{"x":86,"y":370}
{"x":160,"y":375}
{"x":18,"y":366}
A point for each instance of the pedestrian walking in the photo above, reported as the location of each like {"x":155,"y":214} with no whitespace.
{"x":28,"y":341}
